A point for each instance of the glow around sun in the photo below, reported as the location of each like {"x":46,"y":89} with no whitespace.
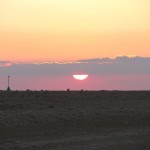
{"x":80,"y":77}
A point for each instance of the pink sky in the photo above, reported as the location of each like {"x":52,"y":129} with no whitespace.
{"x":121,"y":73}
{"x":103,"y":82}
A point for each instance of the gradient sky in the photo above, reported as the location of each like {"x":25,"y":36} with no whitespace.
{"x":66,"y":30}
{"x":33,"y":32}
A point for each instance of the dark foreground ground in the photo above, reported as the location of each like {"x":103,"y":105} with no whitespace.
{"x":75,"y":120}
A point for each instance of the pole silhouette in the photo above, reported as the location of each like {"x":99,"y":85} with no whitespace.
{"x":8,"y":88}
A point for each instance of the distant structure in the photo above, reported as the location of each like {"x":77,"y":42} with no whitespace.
{"x":68,"y":90}
{"x":8,"y":88}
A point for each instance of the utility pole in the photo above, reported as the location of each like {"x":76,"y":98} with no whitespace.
{"x":8,"y":88}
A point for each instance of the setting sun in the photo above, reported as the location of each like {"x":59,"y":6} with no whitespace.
{"x":80,"y":77}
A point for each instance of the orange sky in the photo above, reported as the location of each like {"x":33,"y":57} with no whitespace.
{"x":64,"y":30}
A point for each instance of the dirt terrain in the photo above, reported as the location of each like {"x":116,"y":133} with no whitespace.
{"x":75,"y":120}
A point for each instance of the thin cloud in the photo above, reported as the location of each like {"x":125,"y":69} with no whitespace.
{"x":5,"y":63}
{"x":97,"y":66}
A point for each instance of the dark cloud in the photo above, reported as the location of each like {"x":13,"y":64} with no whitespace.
{"x":118,"y":65}
{"x":117,"y":59}
{"x":97,"y":60}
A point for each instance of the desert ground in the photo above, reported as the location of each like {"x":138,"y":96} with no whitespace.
{"x":75,"y":120}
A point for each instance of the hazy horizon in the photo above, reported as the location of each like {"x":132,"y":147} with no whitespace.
{"x":120,"y":73}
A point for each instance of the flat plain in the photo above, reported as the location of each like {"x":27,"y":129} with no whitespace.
{"x":75,"y":120}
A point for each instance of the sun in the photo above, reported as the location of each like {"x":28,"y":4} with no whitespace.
{"x":80,"y":77}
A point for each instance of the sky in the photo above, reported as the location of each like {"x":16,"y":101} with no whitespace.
{"x":62,"y":31}
{"x":120,"y":73}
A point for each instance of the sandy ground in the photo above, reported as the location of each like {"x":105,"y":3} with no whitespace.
{"x":75,"y":120}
